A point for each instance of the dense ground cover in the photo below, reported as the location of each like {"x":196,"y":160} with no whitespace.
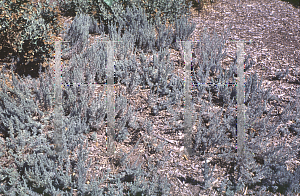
{"x":151,"y":88}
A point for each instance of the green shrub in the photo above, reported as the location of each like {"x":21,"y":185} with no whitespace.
{"x":26,"y":29}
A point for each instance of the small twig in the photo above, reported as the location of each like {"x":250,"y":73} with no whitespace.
{"x":167,"y":140}
{"x":159,"y":137}
{"x":179,"y":181}
{"x":245,"y":191}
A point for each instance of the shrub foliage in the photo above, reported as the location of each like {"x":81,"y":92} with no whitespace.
{"x":33,"y":167}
